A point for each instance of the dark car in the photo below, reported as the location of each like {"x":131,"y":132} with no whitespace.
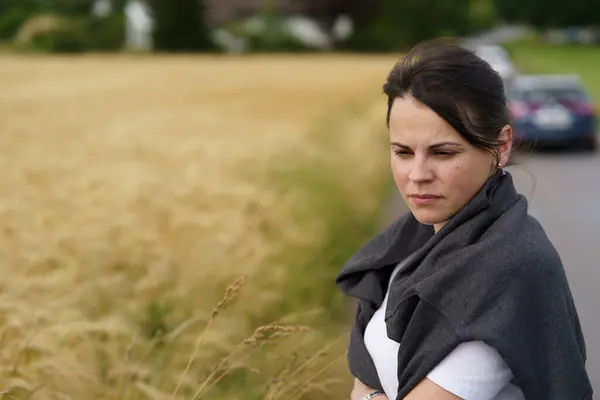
{"x":552,"y":110}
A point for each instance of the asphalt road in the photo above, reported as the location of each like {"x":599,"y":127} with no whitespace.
{"x":564,"y":194}
{"x":563,"y":190}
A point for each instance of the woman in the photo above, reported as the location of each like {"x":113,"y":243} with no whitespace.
{"x":464,"y":297}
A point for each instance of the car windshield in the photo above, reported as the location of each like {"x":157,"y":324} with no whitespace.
{"x":542,"y":95}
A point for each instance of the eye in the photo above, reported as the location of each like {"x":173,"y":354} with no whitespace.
{"x":401,"y":152}
{"x":444,"y":153}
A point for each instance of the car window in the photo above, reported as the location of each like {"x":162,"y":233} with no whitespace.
{"x":491,"y":52}
{"x":542,"y":95}
{"x":513,"y":94}
{"x":493,"y":58}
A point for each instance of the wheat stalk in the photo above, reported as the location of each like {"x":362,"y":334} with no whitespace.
{"x":318,"y":354}
{"x":261,"y":335}
{"x":299,"y":392}
{"x":281,"y":378}
{"x":231,"y":293}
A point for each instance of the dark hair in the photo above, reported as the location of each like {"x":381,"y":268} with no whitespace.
{"x":456,"y":84}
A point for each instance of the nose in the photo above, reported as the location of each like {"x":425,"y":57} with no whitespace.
{"x":420,"y":171}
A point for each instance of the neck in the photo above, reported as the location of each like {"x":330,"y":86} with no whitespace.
{"x":437,"y":227}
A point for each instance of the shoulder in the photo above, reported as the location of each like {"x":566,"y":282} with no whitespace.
{"x":501,"y":270}
{"x":521,"y":254}
{"x":524,"y":256}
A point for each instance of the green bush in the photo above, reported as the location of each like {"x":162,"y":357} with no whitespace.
{"x":105,"y":34}
{"x":63,"y":40}
{"x":11,"y":21}
{"x":275,"y":38}
{"x":482,"y":14}
{"x":398,"y":25}
{"x":180,"y":26}
{"x":77,"y":35}
{"x":376,"y":37}
{"x":13,"y":13}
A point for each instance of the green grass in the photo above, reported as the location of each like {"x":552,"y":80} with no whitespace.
{"x":351,"y":215}
{"x":348,"y":215}
{"x":532,"y":57}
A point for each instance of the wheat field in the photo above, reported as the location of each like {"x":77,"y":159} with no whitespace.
{"x":134,"y":189}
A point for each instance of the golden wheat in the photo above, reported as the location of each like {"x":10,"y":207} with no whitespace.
{"x":135,"y":188}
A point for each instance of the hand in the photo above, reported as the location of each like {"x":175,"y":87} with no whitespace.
{"x":360,"y":390}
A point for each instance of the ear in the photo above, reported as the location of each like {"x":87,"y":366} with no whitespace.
{"x":506,"y":136}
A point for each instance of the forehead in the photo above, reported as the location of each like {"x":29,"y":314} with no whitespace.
{"x":413,"y":122}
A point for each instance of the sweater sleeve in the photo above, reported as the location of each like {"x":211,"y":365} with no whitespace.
{"x":526,"y":312}
{"x":473,"y":371}
{"x":519,"y":302}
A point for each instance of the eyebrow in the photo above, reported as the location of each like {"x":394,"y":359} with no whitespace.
{"x":432,"y":147}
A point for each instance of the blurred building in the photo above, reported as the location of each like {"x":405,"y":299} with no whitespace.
{"x":138,"y":26}
{"x":325,"y":12}
{"x":220,"y":11}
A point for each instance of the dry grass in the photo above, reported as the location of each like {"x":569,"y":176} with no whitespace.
{"x":134,"y":189}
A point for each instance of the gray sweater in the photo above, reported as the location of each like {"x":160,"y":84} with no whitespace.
{"x":489,"y":274}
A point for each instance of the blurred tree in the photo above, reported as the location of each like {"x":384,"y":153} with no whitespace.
{"x":400,"y":24}
{"x":69,"y":7}
{"x":327,"y":12}
{"x":119,"y":5}
{"x":81,"y":31}
{"x":273,"y":35}
{"x":483,"y":14}
{"x":180,"y":26}
{"x":105,"y":34}
{"x":511,"y":10}
{"x":550,"y":13}
{"x":13,"y":13}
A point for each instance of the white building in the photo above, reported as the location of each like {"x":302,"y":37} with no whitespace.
{"x":138,"y":26}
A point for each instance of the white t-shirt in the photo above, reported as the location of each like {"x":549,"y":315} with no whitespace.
{"x":473,"y":371}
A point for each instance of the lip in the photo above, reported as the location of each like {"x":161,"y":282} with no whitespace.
{"x":423,"y":199}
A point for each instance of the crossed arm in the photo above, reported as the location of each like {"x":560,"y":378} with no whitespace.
{"x":472,"y":367}
{"x":426,"y":390}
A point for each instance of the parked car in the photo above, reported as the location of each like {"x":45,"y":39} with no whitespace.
{"x":499,"y":60}
{"x":492,"y":51}
{"x":553,"y":110}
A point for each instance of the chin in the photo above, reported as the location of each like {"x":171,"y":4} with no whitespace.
{"x":428,"y":217}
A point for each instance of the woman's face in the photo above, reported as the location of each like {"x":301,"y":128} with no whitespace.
{"x":435,"y":169}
